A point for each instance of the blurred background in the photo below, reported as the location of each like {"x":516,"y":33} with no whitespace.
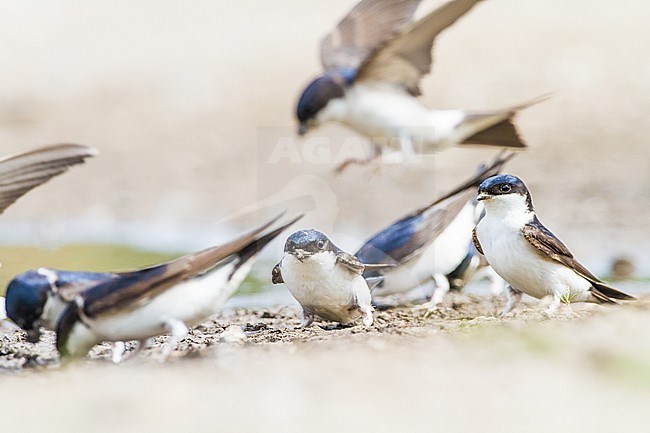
{"x":187,"y":101}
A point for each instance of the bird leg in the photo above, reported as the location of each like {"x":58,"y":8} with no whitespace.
{"x":513,"y":297}
{"x":375,"y":153}
{"x":440,"y":290}
{"x":366,"y":314}
{"x":551,"y":311}
{"x":117,"y":352}
{"x":307,"y":318}
{"x":406,"y":148}
{"x":178,"y":331}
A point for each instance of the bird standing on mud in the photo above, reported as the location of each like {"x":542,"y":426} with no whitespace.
{"x":374,"y":61}
{"x":160,"y":299}
{"x":527,"y":255}
{"x":325,"y":280}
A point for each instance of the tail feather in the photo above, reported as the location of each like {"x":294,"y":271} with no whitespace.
{"x":607,"y":294}
{"x":502,"y":134}
{"x":484,"y":172}
{"x":258,"y":244}
{"x":497,"y":128}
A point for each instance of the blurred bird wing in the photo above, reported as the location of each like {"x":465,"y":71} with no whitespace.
{"x":22,"y":172}
{"x":133,"y":289}
{"x":407,"y":238}
{"x":367,"y":26}
{"x":403,"y":60}
{"x":68,"y":292}
{"x":484,"y":171}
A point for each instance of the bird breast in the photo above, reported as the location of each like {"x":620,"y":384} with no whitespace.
{"x":319,"y":281}
{"x":524,"y":268}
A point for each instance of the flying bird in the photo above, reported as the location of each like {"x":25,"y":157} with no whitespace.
{"x":325,"y":280}
{"x":166,"y":298}
{"x":429,"y":243}
{"x":374,"y":61}
{"x":527,"y":255}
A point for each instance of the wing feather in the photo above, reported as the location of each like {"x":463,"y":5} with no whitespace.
{"x":406,"y":238}
{"x":405,"y":59}
{"x":136,"y":288}
{"x":22,"y":172}
{"x":368,"y":25}
{"x":350,"y":262}
{"x":550,"y":247}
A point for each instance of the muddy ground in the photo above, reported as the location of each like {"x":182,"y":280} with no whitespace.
{"x":281,"y":325}
{"x":459,"y":369}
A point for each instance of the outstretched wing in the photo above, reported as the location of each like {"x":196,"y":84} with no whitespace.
{"x":403,"y":60}
{"x":367,"y":26}
{"x":552,"y":248}
{"x":24,"y":171}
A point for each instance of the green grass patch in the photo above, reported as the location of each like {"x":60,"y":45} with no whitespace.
{"x":96,"y":257}
{"x":76,"y":257}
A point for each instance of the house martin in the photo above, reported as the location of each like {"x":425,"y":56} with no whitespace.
{"x":374,"y":61}
{"x":38,"y":298}
{"x":161,"y":299}
{"x":527,"y":255}
{"x":325,"y":280}
{"x":429,"y":243}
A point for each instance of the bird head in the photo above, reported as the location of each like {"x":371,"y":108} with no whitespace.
{"x":318,"y":94}
{"x":505,"y":191}
{"x":305,"y":243}
{"x":25,"y":299}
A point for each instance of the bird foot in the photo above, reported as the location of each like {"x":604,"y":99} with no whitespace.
{"x":352,"y":161}
{"x":430,"y":309}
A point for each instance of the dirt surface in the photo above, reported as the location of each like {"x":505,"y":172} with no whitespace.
{"x":459,"y":370}
{"x":187,"y":102}
{"x":281,"y":325}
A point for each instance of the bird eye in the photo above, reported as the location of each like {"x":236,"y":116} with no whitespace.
{"x":320,"y":244}
{"x":505,"y":188}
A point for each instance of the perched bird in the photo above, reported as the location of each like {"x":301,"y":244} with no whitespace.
{"x":325,"y":280}
{"x":429,"y":243}
{"x":374,"y":61}
{"x":21,"y":172}
{"x":164,"y":298}
{"x":527,"y":255}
